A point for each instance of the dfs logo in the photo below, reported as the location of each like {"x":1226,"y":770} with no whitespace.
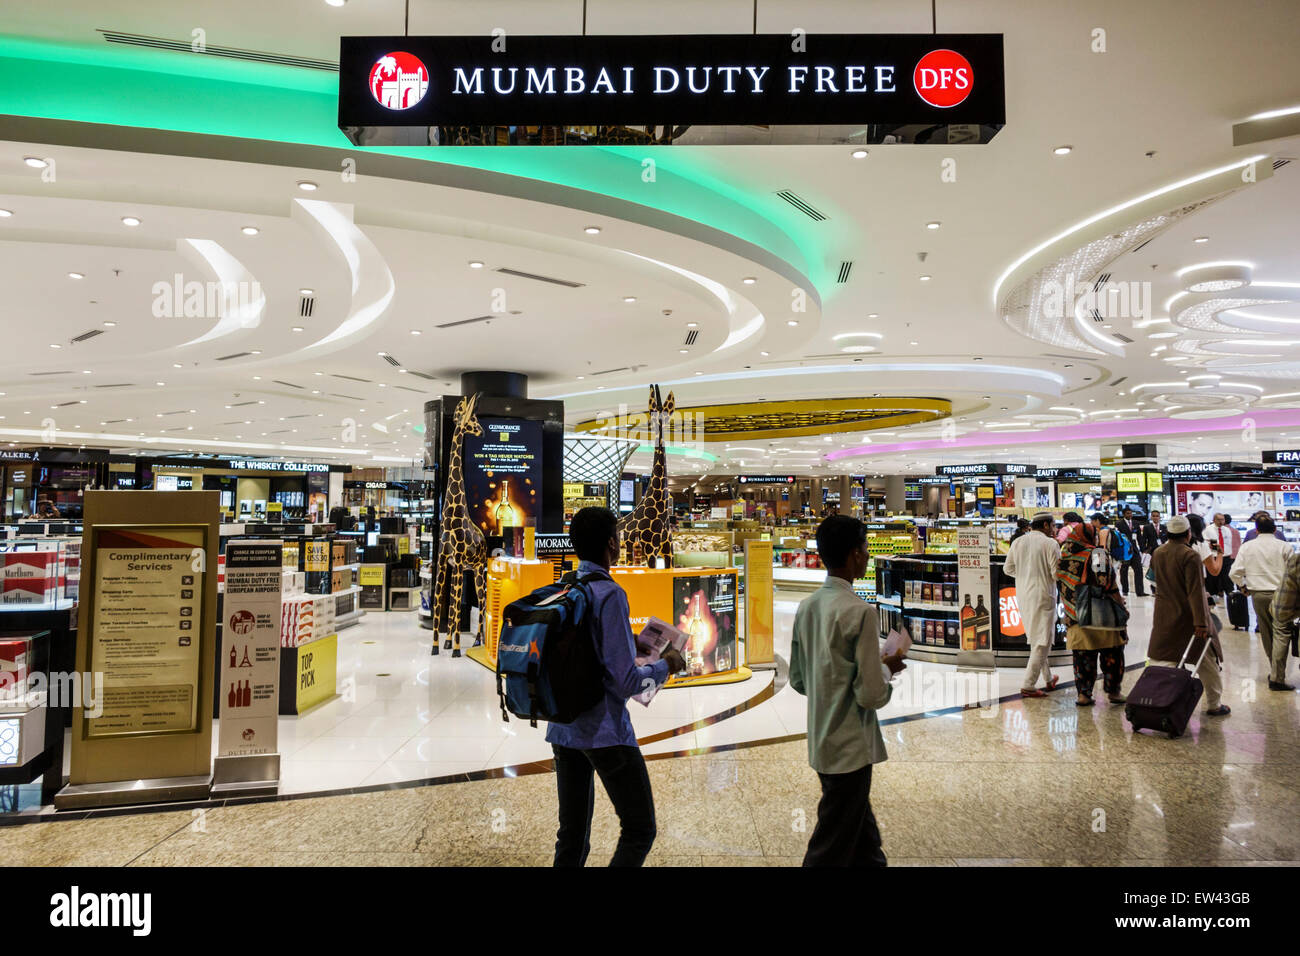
{"x":943,"y":78}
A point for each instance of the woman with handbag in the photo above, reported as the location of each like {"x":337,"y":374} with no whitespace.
{"x":1095,"y":613}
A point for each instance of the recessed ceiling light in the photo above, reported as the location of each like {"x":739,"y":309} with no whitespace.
{"x":580,"y":377}
{"x":925,"y":278}
{"x":307,"y":186}
{"x":130,"y":221}
{"x":177,"y":365}
{"x":1062,"y":150}
{"x":306,"y":292}
{"x":592,"y":230}
{"x":76,"y":275}
{"x":699,"y":373}
{"x":475,"y":264}
{"x":5,"y":213}
{"x":932,"y":225}
{"x":415,"y":331}
{"x":160,"y":384}
{"x":683,"y":351}
{"x":336,"y":3}
{"x":629,"y":298}
{"x":765,"y":354}
{"x":55,"y":345}
{"x":749,"y":280}
{"x":35,"y":162}
{"x":792,"y":322}
{"x":254,"y":351}
{"x":297,"y":328}
{"x":84,"y":371}
{"x":250,"y":230}
{"x":913,"y":343}
{"x":1201,"y":239}
{"x":859,"y":154}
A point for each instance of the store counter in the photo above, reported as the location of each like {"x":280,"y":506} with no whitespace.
{"x":700,"y":601}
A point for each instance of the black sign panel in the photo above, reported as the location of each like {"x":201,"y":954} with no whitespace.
{"x":695,"y":80}
{"x":1282,"y":457}
{"x":766,"y":479}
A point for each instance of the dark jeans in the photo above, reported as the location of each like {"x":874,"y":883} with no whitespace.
{"x":623,"y":774}
{"x":846,"y":833}
{"x":1139,"y":574}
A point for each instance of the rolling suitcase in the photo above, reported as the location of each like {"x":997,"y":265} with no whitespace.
{"x":1164,"y":698}
{"x":1238,"y":610}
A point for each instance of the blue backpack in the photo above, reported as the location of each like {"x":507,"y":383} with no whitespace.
{"x":547,"y":665}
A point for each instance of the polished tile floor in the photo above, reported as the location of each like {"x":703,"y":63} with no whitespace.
{"x":1032,"y":782}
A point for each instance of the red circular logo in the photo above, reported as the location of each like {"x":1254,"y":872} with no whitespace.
{"x":398,"y":81}
{"x":943,"y":78}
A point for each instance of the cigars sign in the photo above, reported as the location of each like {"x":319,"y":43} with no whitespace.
{"x":514,"y":84}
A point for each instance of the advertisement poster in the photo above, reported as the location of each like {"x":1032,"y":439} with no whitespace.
{"x":975,"y":619}
{"x":704,"y":606}
{"x":503,"y":474}
{"x":250,"y":648}
{"x":146,"y":630}
{"x":1239,"y":499}
{"x":758,"y":602}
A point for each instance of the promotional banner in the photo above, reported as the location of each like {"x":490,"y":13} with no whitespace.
{"x":704,"y":606}
{"x":250,"y":648}
{"x":1239,"y":499}
{"x":503,"y":474}
{"x":758,"y":602}
{"x":148,"y":594}
{"x":974,"y":585}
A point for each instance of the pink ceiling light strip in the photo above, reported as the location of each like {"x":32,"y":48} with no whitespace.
{"x":1096,"y":431}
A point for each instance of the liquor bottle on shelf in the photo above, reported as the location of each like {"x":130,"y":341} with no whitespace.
{"x":983,"y":624}
{"x":504,"y":513}
{"x":967,"y":626}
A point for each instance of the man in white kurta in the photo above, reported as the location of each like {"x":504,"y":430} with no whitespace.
{"x":1032,"y":562}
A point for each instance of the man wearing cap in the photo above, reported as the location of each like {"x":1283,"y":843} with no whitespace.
{"x":1032,"y":562}
{"x":1182,"y":613}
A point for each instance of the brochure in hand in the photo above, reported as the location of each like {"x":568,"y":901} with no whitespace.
{"x":898,"y":640}
{"x":654,"y":637}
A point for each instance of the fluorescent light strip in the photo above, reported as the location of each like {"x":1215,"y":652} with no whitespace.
{"x":1209,"y":265}
{"x":1274,"y":114}
{"x":1114,"y":209}
{"x":81,"y":437}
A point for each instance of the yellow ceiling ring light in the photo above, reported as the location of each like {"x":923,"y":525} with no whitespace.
{"x":744,"y":421}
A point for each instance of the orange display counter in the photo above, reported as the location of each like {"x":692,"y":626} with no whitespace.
{"x":701,"y":601}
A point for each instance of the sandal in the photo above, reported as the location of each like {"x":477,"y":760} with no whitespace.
{"x":1083,"y":702}
{"x":1117,"y":699}
{"x":1051,"y":684}
{"x":1223,"y":710}
{"x":1032,"y":692}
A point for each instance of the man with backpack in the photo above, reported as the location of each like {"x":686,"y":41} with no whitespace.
{"x":1129,"y":556}
{"x":601,"y":740}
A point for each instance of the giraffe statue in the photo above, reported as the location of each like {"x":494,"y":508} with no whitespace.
{"x":460,"y":543}
{"x":647,"y":525}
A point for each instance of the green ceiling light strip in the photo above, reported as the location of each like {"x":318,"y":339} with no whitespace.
{"x":683,"y":450}
{"x":217,"y":96}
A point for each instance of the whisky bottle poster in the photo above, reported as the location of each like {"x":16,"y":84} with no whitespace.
{"x":704,"y":606}
{"x":503,"y":475}
{"x":146,"y":630}
{"x":250,"y":649}
{"x":974,"y":594}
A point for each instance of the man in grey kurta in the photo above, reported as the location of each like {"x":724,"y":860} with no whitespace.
{"x":1032,"y":562}
{"x":835,"y":660}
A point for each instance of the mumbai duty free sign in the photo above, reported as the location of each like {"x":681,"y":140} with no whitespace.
{"x":864,"y":80}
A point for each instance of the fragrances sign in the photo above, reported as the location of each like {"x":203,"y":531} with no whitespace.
{"x":975,"y":647}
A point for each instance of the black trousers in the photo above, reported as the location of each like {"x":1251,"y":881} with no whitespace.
{"x":623,"y":774}
{"x":846,"y":833}
{"x":1139,"y":574}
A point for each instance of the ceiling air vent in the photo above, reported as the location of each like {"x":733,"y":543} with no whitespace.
{"x":234,"y":53}
{"x":87,"y":335}
{"x":351,"y":398}
{"x":407,"y":388}
{"x":845,"y":268}
{"x":1121,"y":338}
{"x":351,"y":378}
{"x":66,"y":404}
{"x":691,"y":336}
{"x":241,"y":404}
{"x":115,"y":421}
{"x":611,"y":371}
{"x":303,"y":415}
{"x":1279,"y":163}
{"x":390,"y":360}
{"x":1121,"y":380}
{"x":49,"y":373}
{"x":1101,"y":281}
{"x":183,"y":411}
{"x":532,"y":275}
{"x":804,"y":207}
{"x":289,"y":384}
{"x":116,"y":385}
{"x":305,"y":306}
{"x":425,"y":375}
{"x":477,"y":318}
{"x":235,"y":355}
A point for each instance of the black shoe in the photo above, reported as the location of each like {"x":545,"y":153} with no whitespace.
{"x":1279,"y":685}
